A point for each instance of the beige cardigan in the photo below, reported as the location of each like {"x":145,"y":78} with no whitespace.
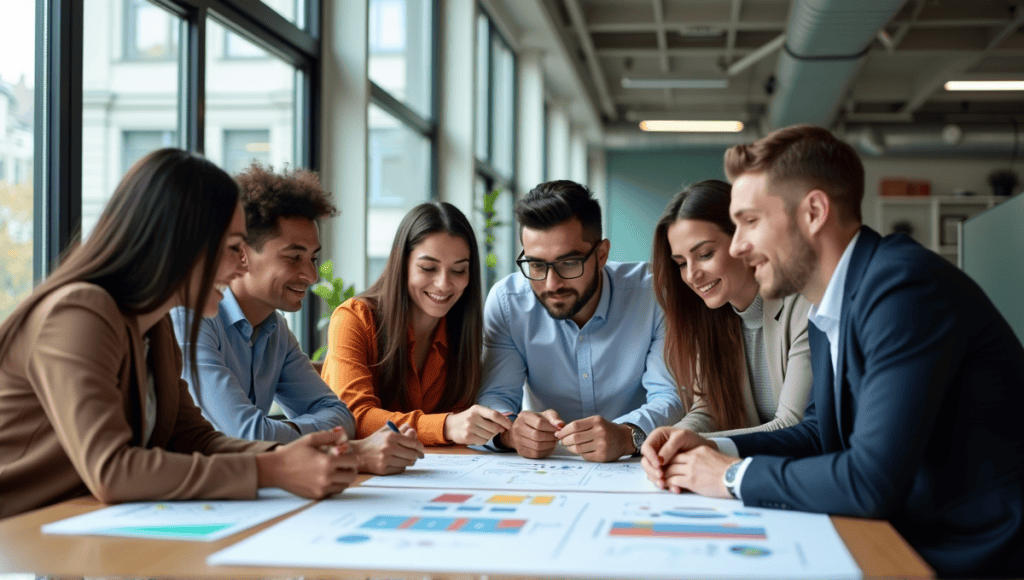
{"x":789,"y":366}
{"x":72,"y":390}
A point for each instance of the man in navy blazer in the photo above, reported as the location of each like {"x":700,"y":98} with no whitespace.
{"x":918,"y":380}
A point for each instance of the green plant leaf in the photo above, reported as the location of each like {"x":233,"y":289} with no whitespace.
{"x":324,"y":292}
{"x":489,"y":239}
{"x":491,"y":260}
{"x":350,"y":292}
{"x":318,"y":354}
{"x":327,"y":270}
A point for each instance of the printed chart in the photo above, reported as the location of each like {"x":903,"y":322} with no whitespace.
{"x":179,"y":520}
{"x":499,"y":471}
{"x":545,"y":534}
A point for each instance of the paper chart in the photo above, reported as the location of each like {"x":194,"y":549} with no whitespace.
{"x":544,"y":534}
{"x":179,"y":520}
{"x":504,"y":471}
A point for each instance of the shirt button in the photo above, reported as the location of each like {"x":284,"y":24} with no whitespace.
{"x":585,"y":375}
{"x":581,"y":339}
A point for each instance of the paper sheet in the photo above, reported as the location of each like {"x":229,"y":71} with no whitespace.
{"x":505,"y":471}
{"x":180,"y":520}
{"x":541,"y":533}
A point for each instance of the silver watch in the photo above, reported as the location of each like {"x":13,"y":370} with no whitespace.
{"x":638,"y":438}
{"x":730,"y":479}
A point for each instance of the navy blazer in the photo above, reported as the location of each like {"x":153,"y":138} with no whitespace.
{"x":924,"y":426}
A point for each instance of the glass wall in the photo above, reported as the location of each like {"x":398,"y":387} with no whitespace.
{"x":17,"y":157}
{"x":400,"y":119}
{"x":250,"y":103}
{"x":131,"y":93}
{"x":495,"y":147}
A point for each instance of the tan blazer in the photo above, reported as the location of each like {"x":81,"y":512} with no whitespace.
{"x":72,"y":390}
{"x":789,"y":366}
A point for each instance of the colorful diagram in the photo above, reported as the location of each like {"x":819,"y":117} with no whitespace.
{"x":753,"y":551}
{"x":696,"y":531}
{"x":699,"y":513}
{"x":440,"y":524}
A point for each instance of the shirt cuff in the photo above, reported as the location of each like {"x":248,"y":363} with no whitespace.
{"x":739,"y":477}
{"x":726,"y":446}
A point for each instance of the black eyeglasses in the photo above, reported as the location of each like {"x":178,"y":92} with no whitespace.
{"x":567,"y":268}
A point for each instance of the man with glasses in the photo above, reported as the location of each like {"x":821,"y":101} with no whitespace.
{"x":584,"y":333}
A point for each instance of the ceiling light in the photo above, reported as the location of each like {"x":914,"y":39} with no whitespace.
{"x":693,"y":126}
{"x":985,"y":86}
{"x":674,"y":83}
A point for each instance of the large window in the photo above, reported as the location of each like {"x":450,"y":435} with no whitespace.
{"x":130,"y":101}
{"x":400,"y":120}
{"x":235,"y":81}
{"x":495,"y":146}
{"x":17,"y":120}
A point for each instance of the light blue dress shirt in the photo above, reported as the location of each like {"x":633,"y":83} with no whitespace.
{"x":825,"y":316}
{"x":612,"y":367}
{"x":240,"y":378}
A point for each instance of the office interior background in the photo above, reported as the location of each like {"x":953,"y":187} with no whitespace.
{"x":395,"y":102}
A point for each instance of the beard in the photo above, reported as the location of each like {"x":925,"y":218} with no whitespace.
{"x":573,"y":308}
{"x":792,"y":275}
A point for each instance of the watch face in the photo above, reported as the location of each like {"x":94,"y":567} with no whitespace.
{"x":730,"y":474}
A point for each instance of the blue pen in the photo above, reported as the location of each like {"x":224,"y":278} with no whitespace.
{"x":393,"y":427}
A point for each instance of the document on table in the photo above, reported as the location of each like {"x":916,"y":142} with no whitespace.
{"x":548,"y":533}
{"x":180,"y":520}
{"x":501,"y":471}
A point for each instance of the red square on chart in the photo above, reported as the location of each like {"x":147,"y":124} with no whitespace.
{"x":452,"y":498}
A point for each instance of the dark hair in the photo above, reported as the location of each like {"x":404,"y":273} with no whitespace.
{"x":267,"y":197}
{"x":807,"y":154}
{"x":555,"y":202}
{"x":389,"y":299}
{"x":702,"y":345}
{"x":168,"y":215}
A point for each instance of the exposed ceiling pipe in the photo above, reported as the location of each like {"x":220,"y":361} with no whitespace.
{"x":1002,"y":140}
{"x":826,"y":43}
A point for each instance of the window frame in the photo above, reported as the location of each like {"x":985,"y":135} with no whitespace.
{"x":58,"y":104}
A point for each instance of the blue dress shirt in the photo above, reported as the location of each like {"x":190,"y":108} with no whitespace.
{"x":612,"y":367}
{"x":240,"y":378}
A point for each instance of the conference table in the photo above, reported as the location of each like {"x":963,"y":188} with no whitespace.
{"x":878,"y":549}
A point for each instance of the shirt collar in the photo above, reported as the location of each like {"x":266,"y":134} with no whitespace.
{"x":830,"y":308}
{"x":440,"y":338}
{"x":604,"y":303}
{"x":231,"y":314}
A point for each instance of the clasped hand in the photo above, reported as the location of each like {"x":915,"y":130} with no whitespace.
{"x":679,"y":459}
{"x":535,"y":435}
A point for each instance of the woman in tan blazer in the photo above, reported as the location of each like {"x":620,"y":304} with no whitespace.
{"x":742,"y":362}
{"x":91,"y":399}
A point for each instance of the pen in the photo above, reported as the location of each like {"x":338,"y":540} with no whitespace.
{"x":393,"y":427}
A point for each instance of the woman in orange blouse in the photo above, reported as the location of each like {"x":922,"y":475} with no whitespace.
{"x":408,"y":349}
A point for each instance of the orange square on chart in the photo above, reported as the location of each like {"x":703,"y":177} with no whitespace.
{"x":507,"y":499}
{"x":510,"y":524}
{"x":543,"y":500}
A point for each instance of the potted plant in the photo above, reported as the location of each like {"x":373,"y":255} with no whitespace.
{"x":334,"y":293}
{"x":1003,"y":181}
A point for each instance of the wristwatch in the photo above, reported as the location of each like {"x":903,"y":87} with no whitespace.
{"x":729,"y":479}
{"x":638,"y":438}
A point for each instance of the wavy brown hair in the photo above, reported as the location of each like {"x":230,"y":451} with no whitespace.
{"x":807,"y":155}
{"x":698,"y":337}
{"x":388,"y":297}
{"x":167,"y":217}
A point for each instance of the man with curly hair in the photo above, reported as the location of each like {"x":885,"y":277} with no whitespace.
{"x":247,"y":356}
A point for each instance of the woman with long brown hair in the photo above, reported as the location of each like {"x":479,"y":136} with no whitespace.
{"x":408,"y":349}
{"x":742,"y":363}
{"x":91,"y":399}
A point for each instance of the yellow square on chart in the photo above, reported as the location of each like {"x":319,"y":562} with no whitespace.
{"x":543,"y":500}
{"x":507,"y":499}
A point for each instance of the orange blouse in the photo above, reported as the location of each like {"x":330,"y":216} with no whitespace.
{"x":351,"y":353}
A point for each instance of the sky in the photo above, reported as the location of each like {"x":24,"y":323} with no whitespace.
{"x":17,"y":40}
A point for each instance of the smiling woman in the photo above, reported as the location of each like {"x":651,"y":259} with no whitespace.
{"x":714,"y":315}
{"x":408,"y":349}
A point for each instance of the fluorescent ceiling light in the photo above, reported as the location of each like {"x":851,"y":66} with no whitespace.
{"x":985,"y":86}
{"x":674,"y":83}
{"x":693,"y":126}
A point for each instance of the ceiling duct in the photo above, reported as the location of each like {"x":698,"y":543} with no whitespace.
{"x":1002,"y":141}
{"x":826,"y":43}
